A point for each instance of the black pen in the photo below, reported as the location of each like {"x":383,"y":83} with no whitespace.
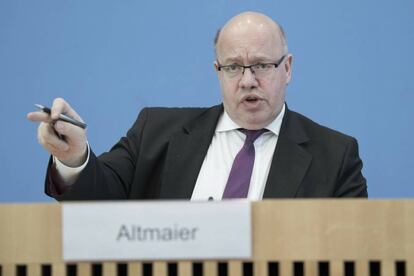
{"x":62,"y":117}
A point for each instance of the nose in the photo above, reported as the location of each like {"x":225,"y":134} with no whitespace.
{"x":248,"y":79}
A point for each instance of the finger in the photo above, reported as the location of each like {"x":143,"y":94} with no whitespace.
{"x":49,"y":139}
{"x":57,"y":149}
{"x":68,"y":129}
{"x":39,"y":116}
{"x":60,"y":106}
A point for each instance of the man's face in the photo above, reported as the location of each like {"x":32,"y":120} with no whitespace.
{"x":253,"y":101}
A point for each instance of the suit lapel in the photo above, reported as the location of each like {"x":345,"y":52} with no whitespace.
{"x":188,"y":148}
{"x":290,"y":160}
{"x":186,"y":152}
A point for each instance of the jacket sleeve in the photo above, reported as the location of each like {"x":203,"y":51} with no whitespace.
{"x":106,"y":177}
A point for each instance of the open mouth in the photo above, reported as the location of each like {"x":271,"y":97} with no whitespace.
{"x":252,"y":99}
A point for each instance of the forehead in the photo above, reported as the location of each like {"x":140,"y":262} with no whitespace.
{"x":248,"y":45}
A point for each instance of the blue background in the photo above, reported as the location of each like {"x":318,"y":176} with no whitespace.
{"x":352,"y":71}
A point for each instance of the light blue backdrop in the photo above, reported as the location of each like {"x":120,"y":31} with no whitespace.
{"x":352,"y":72}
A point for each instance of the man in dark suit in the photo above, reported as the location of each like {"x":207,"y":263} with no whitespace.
{"x":250,"y":146}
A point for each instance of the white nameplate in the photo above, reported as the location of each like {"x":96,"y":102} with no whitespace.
{"x":156,"y":230}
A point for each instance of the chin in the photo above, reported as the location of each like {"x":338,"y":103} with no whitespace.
{"x":254,"y":124}
{"x":256,"y":121}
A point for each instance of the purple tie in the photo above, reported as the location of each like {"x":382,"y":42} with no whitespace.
{"x":239,"y":179}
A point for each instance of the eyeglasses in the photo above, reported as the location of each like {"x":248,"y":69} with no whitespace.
{"x":258,"y":69}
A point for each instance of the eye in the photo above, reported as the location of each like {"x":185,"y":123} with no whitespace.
{"x":262,"y":66}
{"x":232,"y":68}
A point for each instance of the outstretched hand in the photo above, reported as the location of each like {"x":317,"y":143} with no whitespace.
{"x":63,"y":140}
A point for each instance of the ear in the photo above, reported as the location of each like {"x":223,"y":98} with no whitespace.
{"x":288,"y":68}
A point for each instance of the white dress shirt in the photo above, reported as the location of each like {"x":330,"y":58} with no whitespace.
{"x":226,"y":143}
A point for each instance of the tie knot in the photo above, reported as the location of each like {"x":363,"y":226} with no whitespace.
{"x":252,"y":135}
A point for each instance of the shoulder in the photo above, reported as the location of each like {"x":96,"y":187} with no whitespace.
{"x":167,"y":119}
{"x":174,"y":112}
{"x":315,"y":132}
{"x":178,"y":114}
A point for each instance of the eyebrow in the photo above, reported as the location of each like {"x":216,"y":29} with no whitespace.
{"x":257,"y":59}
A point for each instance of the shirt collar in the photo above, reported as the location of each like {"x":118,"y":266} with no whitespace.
{"x":225,"y":123}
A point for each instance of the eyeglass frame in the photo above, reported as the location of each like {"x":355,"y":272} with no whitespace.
{"x":275,"y":64}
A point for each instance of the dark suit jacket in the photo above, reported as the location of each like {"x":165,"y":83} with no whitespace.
{"x":162,"y":154}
